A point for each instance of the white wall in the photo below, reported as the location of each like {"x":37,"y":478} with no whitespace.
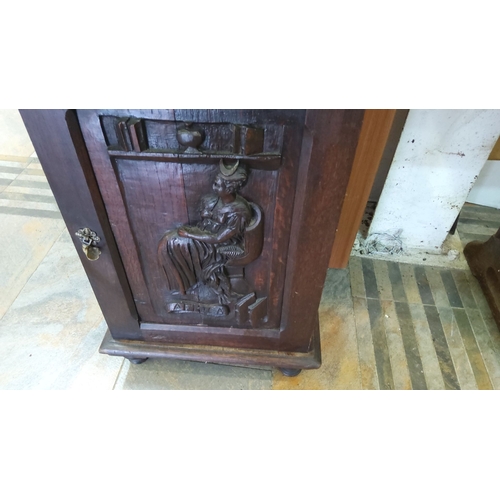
{"x":486,"y":190}
{"x":438,"y":158}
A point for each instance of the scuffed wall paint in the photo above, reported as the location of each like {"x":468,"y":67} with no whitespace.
{"x":438,"y":158}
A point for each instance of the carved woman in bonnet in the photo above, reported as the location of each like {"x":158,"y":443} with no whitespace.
{"x":197,"y":254}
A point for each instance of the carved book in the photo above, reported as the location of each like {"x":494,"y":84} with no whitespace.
{"x":205,"y":234}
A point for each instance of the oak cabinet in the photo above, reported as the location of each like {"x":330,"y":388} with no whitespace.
{"x":205,"y":234}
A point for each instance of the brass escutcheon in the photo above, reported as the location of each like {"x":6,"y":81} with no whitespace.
{"x":89,"y":241}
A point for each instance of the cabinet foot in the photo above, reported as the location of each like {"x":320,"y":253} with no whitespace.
{"x":290,"y":372}
{"x":137,"y":361}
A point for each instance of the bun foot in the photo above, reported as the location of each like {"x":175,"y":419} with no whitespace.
{"x":137,"y":361}
{"x":290,"y":372}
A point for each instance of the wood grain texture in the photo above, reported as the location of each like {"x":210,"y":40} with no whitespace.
{"x":284,"y":203}
{"x":220,"y":355}
{"x":374,"y":133}
{"x":328,"y":148}
{"x":151,"y":194}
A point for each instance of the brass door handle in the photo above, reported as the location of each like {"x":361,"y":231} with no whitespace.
{"x":89,"y":241}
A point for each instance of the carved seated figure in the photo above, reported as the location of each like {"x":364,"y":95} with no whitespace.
{"x":194,"y":258}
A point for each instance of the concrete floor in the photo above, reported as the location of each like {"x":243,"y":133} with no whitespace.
{"x":383,"y":324}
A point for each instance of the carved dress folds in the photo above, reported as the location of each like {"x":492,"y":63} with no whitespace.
{"x":188,"y":261}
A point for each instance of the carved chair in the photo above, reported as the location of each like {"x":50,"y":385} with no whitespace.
{"x":253,"y":239}
{"x":252,"y":242}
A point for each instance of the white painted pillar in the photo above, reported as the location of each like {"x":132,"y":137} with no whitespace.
{"x":438,"y":158}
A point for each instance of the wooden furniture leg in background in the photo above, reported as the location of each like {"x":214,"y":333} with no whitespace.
{"x":484,"y":263}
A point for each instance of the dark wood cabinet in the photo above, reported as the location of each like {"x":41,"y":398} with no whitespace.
{"x":205,"y":234}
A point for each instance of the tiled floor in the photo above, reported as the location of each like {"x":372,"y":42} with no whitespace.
{"x":384,"y":325}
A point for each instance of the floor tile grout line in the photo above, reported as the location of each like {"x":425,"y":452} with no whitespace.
{"x":416,"y":271}
{"x":16,"y":158}
{"x":431,"y":366}
{"x":34,"y":271}
{"x":413,"y":302}
{"x":441,"y":264}
{"x":356,"y":275}
{"x":440,"y":343}
{"x":31,"y":213}
{"x":487,"y":223}
{"x":400,"y":373}
{"x":494,"y":336}
{"x":454,"y":333}
{"x":384,"y":373}
{"x":118,"y":373}
{"x":496,"y":340}
{"x":379,"y":338}
{"x":425,"y":306}
{"x":33,"y":160}
{"x":352,"y":276}
{"x":409,"y":338}
{"x":410,"y":345}
{"x":439,"y":294}
{"x":462,"y":330}
{"x":359,"y":346}
{"x":488,"y":370}
{"x":477,"y":293}
{"x":464,"y":290}
{"x":451,"y":289}
{"x":47,"y":199}
{"x":12,"y":180}
{"x":444,"y":359}
{"x":78,"y":346}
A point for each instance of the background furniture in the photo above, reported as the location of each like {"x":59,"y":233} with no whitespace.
{"x":484,"y":262}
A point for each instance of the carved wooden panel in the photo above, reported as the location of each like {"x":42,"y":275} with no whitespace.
{"x":169,"y":139}
{"x":133,"y":177}
{"x":146,"y":135}
{"x":200,"y":203}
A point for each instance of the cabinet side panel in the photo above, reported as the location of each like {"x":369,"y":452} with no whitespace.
{"x":328,"y":149}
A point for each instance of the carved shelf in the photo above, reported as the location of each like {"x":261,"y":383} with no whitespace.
{"x":259,"y":161}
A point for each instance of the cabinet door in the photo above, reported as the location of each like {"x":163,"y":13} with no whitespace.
{"x":200,"y":203}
